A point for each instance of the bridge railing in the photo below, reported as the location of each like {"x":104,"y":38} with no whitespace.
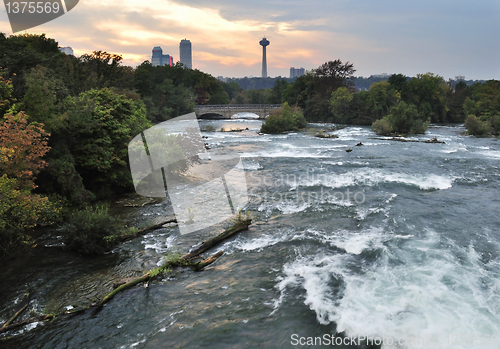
{"x":238,"y":106}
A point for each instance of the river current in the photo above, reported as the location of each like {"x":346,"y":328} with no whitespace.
{"x":397,"y":241}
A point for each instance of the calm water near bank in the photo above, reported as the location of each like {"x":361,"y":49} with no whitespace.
{"x":395,"y":240}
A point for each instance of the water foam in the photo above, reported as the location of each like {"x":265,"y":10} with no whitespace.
{"x":372,"y":177}
{"x":425,"y":287}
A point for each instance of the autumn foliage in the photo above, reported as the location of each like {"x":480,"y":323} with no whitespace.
{"x":22,"y":147}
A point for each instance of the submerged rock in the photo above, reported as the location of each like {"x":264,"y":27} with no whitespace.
{"x":322,"y":134}
{"x":433,"y":140}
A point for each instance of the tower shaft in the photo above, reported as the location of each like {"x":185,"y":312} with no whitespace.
{"x":264,"y":62}
{"x":264,"y":42}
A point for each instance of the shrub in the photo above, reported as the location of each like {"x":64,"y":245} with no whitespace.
{"x":402,"y":117}
{"x":288,"y":119}
{"x":419,"y":126}
{"x":475,"y":126}
{"x":382,"y":127}
{"x":91,"y":231}
{"x":20,"y":211}
{"x":495,"y":124}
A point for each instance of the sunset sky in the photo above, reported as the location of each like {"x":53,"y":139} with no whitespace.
{"x":445,"y":37}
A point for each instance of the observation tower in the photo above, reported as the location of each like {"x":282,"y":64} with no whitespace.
{"x":264,"y":42}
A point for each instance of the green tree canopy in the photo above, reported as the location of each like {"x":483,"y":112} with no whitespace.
{"x":428,"y":92}
{"x":100,"y":125}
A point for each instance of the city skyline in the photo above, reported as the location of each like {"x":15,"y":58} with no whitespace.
{"x":443,"y":37}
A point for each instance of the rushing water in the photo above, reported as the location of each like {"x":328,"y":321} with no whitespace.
{"x":395,"y":240}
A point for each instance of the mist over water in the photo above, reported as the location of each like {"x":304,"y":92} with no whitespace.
{"x":393,"y":239}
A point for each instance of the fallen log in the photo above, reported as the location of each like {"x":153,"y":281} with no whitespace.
{"x":26,"y":322}
{"x":145,"y":230}
{"x":24,"y":304}
{"x":208,"y":261}
{"x":240,"y":225}
{"x":121,"y":288}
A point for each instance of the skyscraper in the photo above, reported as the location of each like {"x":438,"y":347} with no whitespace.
{"x":185,"y":53}
{"x":159,"y":58}
{"x":296,"y":72}
{"x":264,"y":42}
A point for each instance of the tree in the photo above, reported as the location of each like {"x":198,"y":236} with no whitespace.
{"x":258,"y":96}
{"x":232,"y":89}
{"x":483,"y":108}
{"x":326,"y":79}
{"x":44,"y":93}
{"x":285,"y":120}
{"x":299,"y":92}
{"x":22,"y":147}
{"x":100,"y":125}
{"x":103,"y":67}
{"x":484,"y":101}
{"x":456,"y":99}
{"x":340,"y":104}
{"x":168,"y":101}
{"x":20,"y":53}
{"x":476,"y":127}
{"x":428,"y":92}
{"x":398,"y":82}
{"x":276,"y":96}
{"x":405,"y":118}
{"x":381,"y":99}
{"x":334,"y":71}
{"x":20,"y":211}
{"x":382,"y":127}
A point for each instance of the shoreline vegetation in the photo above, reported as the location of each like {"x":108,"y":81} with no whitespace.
{"x":67,"y":121}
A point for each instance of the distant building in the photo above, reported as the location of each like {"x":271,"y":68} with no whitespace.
{"x":159,"y":58}
{"x":185,"y":53}
{"x":295,"y":73}
{"x":459,"y":77}
{"x":67,"y":50}
{"x":383,"y":75}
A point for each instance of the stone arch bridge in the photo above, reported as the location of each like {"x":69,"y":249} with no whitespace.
{"x":226,"y":111}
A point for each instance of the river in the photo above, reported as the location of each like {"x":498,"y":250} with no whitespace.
{"x":398,"y":240}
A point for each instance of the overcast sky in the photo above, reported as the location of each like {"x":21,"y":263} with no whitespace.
{"x":446,"y":37}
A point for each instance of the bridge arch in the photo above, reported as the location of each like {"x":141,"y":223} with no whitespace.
{"x":225,"y":111}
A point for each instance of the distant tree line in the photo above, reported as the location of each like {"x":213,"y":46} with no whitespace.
{"x":399,"y":104}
